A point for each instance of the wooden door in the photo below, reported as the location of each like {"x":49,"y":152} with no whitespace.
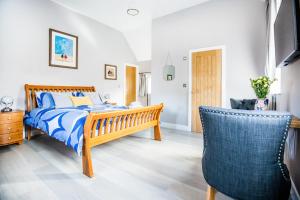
{"x":206,"y":83}
{"x":130,"y":84}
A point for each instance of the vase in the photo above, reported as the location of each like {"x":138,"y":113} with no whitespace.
{"x":262,"y":104}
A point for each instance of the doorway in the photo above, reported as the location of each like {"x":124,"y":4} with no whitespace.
{"x":206,"y":83}
{"x":130,"y":90}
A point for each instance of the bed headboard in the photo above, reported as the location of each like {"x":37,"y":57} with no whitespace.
{"x":31,"y":89}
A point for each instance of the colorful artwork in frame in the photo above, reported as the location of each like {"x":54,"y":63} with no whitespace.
{"x":63,"y":49}
{"x":110,"y":72}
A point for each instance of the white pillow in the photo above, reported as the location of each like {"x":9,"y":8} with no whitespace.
{"x":94,"y":96}
{"x":62,"y":99}
{"x":135,"y":104}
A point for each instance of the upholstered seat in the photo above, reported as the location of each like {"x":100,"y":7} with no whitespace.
{"x":243,"y":153}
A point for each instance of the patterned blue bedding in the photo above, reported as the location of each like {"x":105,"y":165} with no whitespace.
{"x":65,"y":124}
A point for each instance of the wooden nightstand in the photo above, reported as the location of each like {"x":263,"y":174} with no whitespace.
{"x":11,"y":127}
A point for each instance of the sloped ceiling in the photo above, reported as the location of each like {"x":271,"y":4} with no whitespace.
{"x":136,"y":29}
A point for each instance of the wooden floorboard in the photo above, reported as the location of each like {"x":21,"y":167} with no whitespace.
{"x":131,"y":168}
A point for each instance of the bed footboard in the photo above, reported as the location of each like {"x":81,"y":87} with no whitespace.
{"x":100,"y":128}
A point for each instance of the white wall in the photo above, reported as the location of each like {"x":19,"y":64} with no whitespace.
{"x":289,"y":101}
{"x":24,"y":49}
{"x":239,"y":25}
{"x":139,"y":40}
{"x":145,"y":66}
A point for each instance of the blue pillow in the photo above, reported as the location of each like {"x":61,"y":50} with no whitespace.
{"x":44,"y":100}
{"x":78,"y":94}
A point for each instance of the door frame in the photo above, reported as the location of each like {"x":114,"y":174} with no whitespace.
{"x":124,"y":81}
{"x":223,"y":48}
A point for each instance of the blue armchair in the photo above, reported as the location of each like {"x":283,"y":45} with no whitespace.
{"x":243,"y":153}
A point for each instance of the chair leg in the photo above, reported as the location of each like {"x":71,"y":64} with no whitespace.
{"x":211,"y":193}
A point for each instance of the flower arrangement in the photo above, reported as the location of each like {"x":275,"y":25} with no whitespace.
{"x":262,"y":86}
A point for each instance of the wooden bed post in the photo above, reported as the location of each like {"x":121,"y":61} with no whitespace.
{"x":87,"y":165}
{"x":157,"y":133}
{"x":28,"y":132}
{"x":27,"y":102}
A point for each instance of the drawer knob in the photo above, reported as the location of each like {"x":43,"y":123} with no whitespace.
{"x":9,"y":128}
{"x":9,"y":138}
{"x":9,"y":118}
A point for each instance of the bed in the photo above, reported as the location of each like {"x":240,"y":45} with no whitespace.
{"x":84,"y":127}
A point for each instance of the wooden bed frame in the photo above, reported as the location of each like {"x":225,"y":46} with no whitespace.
{"x":125,"y":122}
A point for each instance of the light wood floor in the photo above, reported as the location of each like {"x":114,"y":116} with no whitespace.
{"x":130,"y":168}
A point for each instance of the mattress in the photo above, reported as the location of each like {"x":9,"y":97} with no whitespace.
{"x":65,"y":124}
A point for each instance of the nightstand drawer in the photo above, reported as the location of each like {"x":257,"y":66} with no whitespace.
{"x":11,"y":128}
{"x":11,"y":138}
{"x":11,"y":117}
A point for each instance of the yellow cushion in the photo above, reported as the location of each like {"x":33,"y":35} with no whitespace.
{"x":80,"y":101}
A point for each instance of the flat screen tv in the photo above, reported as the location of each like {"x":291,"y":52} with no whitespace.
{"x":287,"y":32}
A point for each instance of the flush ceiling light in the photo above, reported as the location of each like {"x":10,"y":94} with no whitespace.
{"x":133,"y":11}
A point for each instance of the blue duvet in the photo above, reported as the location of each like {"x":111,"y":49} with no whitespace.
{"x":65,"y":124}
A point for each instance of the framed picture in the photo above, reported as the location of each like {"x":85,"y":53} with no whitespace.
{"x":169,"y":77}
{"x":63,"y":49}
{"x":110,"y":72}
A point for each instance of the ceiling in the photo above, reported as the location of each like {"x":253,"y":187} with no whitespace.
{"x":114,"y":12}
{"x":136,"y":29}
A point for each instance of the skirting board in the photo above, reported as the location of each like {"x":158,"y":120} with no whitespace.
{"x":174,"y":126}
